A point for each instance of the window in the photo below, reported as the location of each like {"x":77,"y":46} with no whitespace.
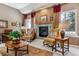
{"x":28,"y":23}
{"x":70,"y":16}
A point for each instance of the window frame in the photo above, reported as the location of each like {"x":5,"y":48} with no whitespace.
{"x":71,"y":33}
{"x":75,"y":10}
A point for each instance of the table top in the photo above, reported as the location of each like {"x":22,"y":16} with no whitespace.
{"x":62,"y":39}
{"x":11,"y":45}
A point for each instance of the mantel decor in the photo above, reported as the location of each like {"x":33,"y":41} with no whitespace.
{"x":3,"y":24}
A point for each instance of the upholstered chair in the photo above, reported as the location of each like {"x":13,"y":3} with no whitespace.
{"x":50,"y":41}
{"x":29,"y":36}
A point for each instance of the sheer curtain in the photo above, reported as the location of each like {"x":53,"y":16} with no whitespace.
{"x":28,"y":23}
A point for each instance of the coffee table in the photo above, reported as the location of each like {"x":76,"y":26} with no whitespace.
{"x":16,"y":47}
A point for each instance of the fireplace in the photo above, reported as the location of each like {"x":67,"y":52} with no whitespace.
{"x":43,"y":31}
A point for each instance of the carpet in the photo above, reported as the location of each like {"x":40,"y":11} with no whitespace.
{"x":33,"y":51}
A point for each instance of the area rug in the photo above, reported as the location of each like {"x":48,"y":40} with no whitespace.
{"x":33,"y":51}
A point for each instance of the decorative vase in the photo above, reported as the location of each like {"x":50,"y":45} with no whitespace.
{"x":62,"y":33}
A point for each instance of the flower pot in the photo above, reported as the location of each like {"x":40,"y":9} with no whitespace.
{"x":16,"y":41}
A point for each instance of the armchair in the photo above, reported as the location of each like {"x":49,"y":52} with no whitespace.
{"x":29,"y":36}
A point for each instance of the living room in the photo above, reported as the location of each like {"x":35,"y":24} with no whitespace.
{"x":43,"y":29}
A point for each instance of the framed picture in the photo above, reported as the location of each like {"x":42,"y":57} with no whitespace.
{"x":51,"y":18}
{"x":43,"y":18}
{"x":3,"y":24}
{"x":13,"y":23}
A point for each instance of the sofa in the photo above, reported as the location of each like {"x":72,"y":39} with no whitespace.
{"x":5,"y":38}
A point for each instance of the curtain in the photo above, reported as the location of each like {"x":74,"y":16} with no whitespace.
{"x":56,"y":10}
{"x":25,"y":17}
{"x":33,"y":18}
{"x":33,"y":14}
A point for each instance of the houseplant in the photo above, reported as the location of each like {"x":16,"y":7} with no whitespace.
{"x":14,"y":36}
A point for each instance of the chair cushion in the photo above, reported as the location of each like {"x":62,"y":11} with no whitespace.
{"x":49,"y":41}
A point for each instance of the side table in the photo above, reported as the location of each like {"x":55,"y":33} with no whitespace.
{"x":62,"y":43}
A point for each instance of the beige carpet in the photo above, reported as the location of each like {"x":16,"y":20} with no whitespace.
{"x":33,"y":51}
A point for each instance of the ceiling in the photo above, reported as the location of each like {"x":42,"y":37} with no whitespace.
{"x":29,"y":7}
{"x":17,"y":5}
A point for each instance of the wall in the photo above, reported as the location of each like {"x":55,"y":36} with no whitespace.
{"x":64,"y":7}
{"x":10,"y":14}
{"x":44,"y":12}
{"x":74,"y":41}
{"x":49,"y":13}
{"x":72,"y":6}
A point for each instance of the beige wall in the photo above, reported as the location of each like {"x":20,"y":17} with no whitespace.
{"x":72,"y":6}
{"x":10,"y":14}
{"x":48,"y":12}
{"x":64,"y":7}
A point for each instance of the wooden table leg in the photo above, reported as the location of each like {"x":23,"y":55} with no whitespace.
{"x":15,"y":49}
{"x":27,"y":48}
{"x":62,"y":47}
{"x":7,"y":49}
{"x":52,"y":48}
{"x":68,"y":44}
{"x":55,"y":45}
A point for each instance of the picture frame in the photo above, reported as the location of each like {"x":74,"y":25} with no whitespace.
{"x":51,"y":18}
{"x":43,"y":18}
{"x":3,"y":24}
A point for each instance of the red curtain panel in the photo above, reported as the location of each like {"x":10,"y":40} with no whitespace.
{"x":57,"y":8}
{"x":33,"y":14}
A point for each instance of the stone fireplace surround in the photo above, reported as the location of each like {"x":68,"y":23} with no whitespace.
{"x":49,"y":28}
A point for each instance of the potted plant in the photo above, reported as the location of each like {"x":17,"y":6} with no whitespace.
{"x":15,"y":36}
